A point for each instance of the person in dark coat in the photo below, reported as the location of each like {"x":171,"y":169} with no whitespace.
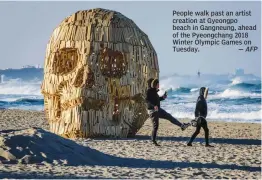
{"x":200,"y":116}
{"x":155,"y":111}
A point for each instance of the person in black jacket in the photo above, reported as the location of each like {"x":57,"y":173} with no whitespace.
{"x":200,"y":115}
{"x":154,"y":110}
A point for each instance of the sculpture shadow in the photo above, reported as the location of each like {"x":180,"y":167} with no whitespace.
{"x":56,"y":148}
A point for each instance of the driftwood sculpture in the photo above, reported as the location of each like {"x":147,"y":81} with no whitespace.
{"x":95,"y":75}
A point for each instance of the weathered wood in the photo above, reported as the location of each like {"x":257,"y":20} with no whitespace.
{"x":96,"y":69}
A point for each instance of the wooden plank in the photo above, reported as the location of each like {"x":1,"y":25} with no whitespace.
{"x":122,"y":36}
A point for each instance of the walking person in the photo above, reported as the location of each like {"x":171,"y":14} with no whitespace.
{"x":200,"y":116}
{"x":155,"y":111}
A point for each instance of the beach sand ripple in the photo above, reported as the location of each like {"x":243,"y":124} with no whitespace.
{"x":37,"y":153}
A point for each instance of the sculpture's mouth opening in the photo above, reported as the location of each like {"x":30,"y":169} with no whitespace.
{"x":118,"y":101}
{"x":116,"y":107}
{"x":116,"y":104}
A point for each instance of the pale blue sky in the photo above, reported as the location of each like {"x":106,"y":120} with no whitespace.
{"x":27,"y":26}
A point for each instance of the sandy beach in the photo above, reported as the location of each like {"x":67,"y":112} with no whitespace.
{"x":236,"y":153}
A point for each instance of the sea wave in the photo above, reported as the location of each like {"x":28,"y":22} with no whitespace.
{"x":238,"y":101}
{"x":247,"y":87}
{"x":236,"y":81}
{"x":253,"y":116}
{"x":28,"y":100}
{"x":245,"y":79}
{"x":19,"y":88}
{"x":24,"y":101}
{"x":21,"y":102}
{"x":194,"y":89}
{"x":182,"y":90}
{"x":231,"y":93}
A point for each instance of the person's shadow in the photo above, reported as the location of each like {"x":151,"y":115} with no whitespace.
{"x":56,"y":148}
{"x":212,"y":140}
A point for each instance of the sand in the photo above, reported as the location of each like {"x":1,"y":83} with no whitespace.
{"x":236,"y":152}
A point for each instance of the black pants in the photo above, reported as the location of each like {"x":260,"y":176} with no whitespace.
{"x":161,"y":113}
{"x":203,"y":124}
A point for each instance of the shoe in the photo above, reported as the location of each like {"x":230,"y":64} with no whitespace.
{"x":155,"y":143}
{"x":208,"y":145}
{"x":185,"y":125}
{"x":189,"y":144}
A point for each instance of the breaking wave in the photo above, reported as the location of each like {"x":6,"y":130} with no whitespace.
{"x":230,"y":99}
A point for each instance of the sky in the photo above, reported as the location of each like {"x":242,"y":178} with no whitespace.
{"x":27,"y":26}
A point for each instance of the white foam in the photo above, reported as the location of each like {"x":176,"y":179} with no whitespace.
{"x":252,"y":116}
{"x":8,"y":99}
{"x":230,"y":93}
{"x":194,"y":89}
{"x":20,"y":88}
{"x":185,"y":108}
{"x":236,"y":80}
{"x":17,"y":98}
{"x":245,"y":79}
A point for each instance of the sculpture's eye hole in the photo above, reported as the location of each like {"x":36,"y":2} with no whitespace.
{"x":79,"y":78}
{"x":113,"y":63}
{"x":65,"y":60}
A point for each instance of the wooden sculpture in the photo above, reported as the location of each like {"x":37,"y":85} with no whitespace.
{"x":95,"y":75}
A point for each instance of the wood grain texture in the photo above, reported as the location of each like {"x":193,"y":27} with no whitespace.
{"x":96,"y":69}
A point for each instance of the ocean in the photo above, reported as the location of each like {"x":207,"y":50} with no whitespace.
{"x":231,"y":98}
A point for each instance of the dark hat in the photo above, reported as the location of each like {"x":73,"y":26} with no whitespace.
{"x":203,"y":91}
{"x":149,"y":82}
{"x":154,"y":83}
